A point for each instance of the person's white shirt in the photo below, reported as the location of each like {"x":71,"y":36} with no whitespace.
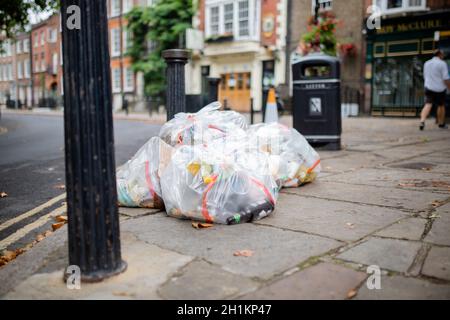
{"x":435,"y":72}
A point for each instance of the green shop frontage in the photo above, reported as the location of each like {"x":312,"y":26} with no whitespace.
{"x":395,"y":57}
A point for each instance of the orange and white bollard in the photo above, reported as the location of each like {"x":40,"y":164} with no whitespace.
{"x":271,"y":108}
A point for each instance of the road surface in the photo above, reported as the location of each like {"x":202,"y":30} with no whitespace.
{"x":32,"y":165}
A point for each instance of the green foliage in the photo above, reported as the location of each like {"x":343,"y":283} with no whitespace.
{"x":14,"y":14}
{"x":153,"y":30}
{"x":321,"y":36}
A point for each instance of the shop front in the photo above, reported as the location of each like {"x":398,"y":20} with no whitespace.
{"x":396,"y":54}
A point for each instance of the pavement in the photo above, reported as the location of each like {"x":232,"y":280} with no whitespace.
{"x":374,"y":225}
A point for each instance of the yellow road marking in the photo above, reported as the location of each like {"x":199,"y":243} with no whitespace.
{"x":32,"y":212}
{"x":30,"y":227}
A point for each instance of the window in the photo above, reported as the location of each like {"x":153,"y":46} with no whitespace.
{"x":115,"y":42}
{"x":128,"y":79}
{"x":228,"y":17}
{"x":42,"y":38}
{"x":6,"y":49}
{"x":26,"y":66}
{"x":126,"y":37}
{"x":115,"y":8}
{"x":36,"y":63}
{"x":10,"y":72}
{"x":55,"y":63}
{"x":35,"y":39}
{"x":43,"y":65}
{"x":399,"y":6}
{"x":116,"y":87}
{"x":26,"y":45}
{"x":243,"y":19}
{"x":214,"y":20}
{"x":19,"y":70}
{"x":19,"y":46}
{"x":127,"y":5}
{"x":52,"y":35}
{"x":239,"y":18}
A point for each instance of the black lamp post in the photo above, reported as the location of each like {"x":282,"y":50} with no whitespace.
{"x":93,"y":219}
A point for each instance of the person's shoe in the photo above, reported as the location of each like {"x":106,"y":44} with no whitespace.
{"x":422,"y":126}
{"x":443,"y":126}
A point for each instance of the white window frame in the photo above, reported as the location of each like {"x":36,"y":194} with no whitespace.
{"x":26,"y":45}
{"x":116,"y":83}
{"x":128,"y":87}
{"x":115,"y":11}
{"x":52,"y":35}
{"x":126,"y":40}
{"x":115,"y":47}
{"x":19,"y":70}
{"x":382,"y":4}
{"x":42,"y":35}
{"x":26,"y":67}
{"x":36,"y":39}
{"x":127,"y":5}
{"x":19,"y":47}
{"x":254,"y":19}
{"x":55,"y":63}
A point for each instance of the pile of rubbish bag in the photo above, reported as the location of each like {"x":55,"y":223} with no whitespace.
{"x":212,"y":166}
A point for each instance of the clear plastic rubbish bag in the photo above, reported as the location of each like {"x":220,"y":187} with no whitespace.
{"x":138,"y":182}
{"x":293,"y":162}
{"x":202,"y":184}
{"x":207,"y":125}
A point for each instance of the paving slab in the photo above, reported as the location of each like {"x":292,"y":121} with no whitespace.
{"x":409,"y":151}
{"x":437,"y":264}
{"x":335,"y":219}
{"x":395,"y":178}
{"x":137,"y":212}
{"x":319,"y":282}
{"x":148,"y":267}
{"x":391,"y":254}
{"x":440,"y":230}
{"x":407,"y":229}
{"x":402,"y":288}
{"x":390,"y":197}
{"x":201,"y":280}
{"x":275,"y":250}
{"x":351,"y":162}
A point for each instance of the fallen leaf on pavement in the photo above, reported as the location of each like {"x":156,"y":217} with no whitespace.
{"x":436,"y":203}
{"x":40,"y":237}
{"x":201,"y":225}
{"x":3,"y":194}
{"x":434,"y":216}
{"x":243,"y":253}
{"x":350,"y":225}
{"x":351,"y":294}
{"x":61,"y":218}
{"x":58,"y":225}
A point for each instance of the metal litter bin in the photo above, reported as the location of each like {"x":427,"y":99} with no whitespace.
{"x":317,"y":99}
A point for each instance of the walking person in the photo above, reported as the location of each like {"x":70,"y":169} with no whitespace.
{"x":437,"y":80}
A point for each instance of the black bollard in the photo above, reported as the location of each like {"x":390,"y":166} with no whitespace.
{"x":175,"y":89}
{"x":93,"y":219}
{"x":213,"y":90}
{"x":252,"y":112}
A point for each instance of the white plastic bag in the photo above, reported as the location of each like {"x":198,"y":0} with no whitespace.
{"x":293,"y":161}
{"x":205,"y":185}
{"x":203,"y":127}
{"x":138,"y":182}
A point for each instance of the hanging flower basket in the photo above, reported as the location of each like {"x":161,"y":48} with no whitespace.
{"x":348,"y":50}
